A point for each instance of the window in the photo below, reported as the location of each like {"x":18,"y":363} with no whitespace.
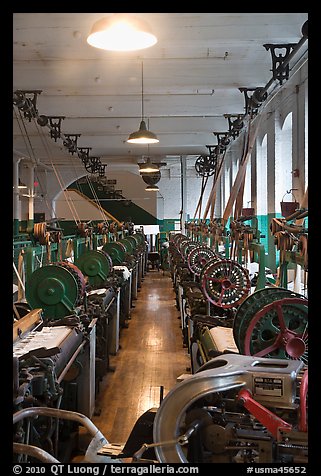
{"x":283,"y":164}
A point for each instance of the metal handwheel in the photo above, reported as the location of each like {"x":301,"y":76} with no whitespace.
{"x":253,"y":305}
{"x":225,"y":283}
{"x":187,"y":246}
{"x":198,"y":257}
{"x":280,"y":330}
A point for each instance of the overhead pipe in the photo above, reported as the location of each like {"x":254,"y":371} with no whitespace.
{"x":35,"y":161}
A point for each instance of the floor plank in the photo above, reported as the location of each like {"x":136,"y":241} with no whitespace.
{"x":151,"y":356}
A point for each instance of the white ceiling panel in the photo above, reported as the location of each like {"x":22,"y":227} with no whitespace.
{"x":192,"y":78}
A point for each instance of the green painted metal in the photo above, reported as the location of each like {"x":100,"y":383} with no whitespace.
{"x":290,"y":257}
{"x":115,"y":208}
{"x":30,"y":224}
{"x":252,"y":304}
{"x":207,"y":343}
{"x":15,"y":227}
{"x":293,"y":317}
{"x":80,"y":245}
{"x":134,"y":241}
{"x":53,"y":289}
{"x":115,"y":251}
{"x":130,"y":248}
{"x":140,"y":237}
{"x":96,"y":265}
{"x":259,"y":255}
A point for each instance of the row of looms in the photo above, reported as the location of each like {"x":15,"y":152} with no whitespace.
{"x":149,"y":327}
{"x":244,"y":329}
{"x":64,"y":331}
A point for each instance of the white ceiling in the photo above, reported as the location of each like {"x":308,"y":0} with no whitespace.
{"x":191,"y":79}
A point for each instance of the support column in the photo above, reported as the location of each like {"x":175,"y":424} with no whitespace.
{"x":160,"y":210}
{"x":254,"y":177}
{"x":299,"y":142}
{"x":31,"y":178}
{"x":183,"y":193}
{"x":53,"y":208}
{"x":272,"y":143}
{"x":16,"y":200}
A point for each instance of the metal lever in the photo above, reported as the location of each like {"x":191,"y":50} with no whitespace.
{"x":180,"y":440}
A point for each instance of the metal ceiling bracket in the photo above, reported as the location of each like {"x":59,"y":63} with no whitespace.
{"x":235,"y":126}
{"x":83,"y":153}
{"x":101,"y":170}
{"x":280,"y":71}
{"x":252,"y":103}
{"x":27,"y":104}
{"x":70,"y":142}
{"x":223,"y":141}
{"x":55,"y":126}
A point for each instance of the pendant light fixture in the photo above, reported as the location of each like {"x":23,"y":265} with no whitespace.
{"x":151,"y":188}
{"x":143,"y":135}
{"x":148,"y":167}
{"x":121,"y":32}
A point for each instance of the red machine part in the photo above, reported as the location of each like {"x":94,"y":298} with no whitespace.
{"x":226,"y":283}
{"x":198,"y":257}
{"x":81,"y":281}
{"x":271,"y":421}
{"x":303,"y":402}
{"x":293,"y":343}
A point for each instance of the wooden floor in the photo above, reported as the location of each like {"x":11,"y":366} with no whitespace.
{"x":151,"y":356}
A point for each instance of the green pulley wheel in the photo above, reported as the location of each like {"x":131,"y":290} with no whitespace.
{"x":140,"y":237}
{"x":140,"y":240}
{"x":130,"y":247}
{"x":177,"y":237}
{"x":134,"y":241}
{"x":181,"y":244}
{"x":54,"y":289}
{"x":96,"y":265}
{"x":116,"y":252}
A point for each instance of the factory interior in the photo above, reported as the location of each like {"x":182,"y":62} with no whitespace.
{"x":160,"y":238}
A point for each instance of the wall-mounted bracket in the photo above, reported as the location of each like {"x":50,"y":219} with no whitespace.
{"x":280,"y":72}
{"x":102,"y":170}
{"x":83,"y":153}
{"x":235,"y":126}
{"x":55,"y":126}
{"x":223,"y":140}
{"x":252,"y":103}
{"x":26,"y":101}
{"x":70,"y":142}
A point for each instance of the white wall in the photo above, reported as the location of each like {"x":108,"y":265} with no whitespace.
{"x":167,"y":203}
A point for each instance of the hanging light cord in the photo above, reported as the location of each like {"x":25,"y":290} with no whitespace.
{"x":142,"y":91}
